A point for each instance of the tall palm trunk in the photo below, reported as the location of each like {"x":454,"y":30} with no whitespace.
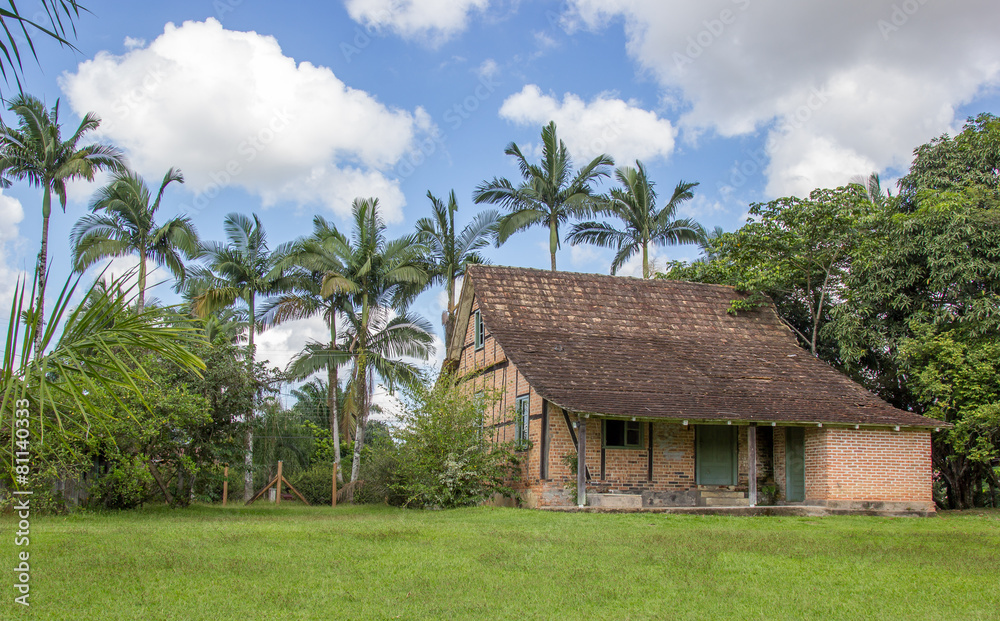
{"x":364,"y":398}
{"x":449,"y":321}
{"x":331,"y":399}
{"x":645,"y":259}
{"x":248,"y":456}
{"x":40,"y":268}
{"x":140,"y":302}
{"x":553,"y":240}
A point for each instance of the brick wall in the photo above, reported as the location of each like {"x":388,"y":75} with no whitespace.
{"x":845,"y":466}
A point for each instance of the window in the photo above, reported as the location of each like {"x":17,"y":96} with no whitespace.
{"x":522,"y":410}
{"x":480,"y":330}
{"x":622,"y":434}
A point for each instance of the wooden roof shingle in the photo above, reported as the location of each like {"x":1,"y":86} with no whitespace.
{"x":663,"y":349}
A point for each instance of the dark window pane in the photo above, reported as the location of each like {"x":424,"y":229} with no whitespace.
{"x":614,"y":433}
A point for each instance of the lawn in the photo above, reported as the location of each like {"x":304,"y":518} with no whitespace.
{"x":296,"y":562}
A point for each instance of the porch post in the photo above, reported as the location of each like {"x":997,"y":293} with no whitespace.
{"x":581,"y":462}
{"x":752,"y":462}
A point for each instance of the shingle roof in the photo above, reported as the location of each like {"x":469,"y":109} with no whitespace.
{"x":658,"y":348}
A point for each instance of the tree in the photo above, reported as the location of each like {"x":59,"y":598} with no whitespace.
{"x":918,"y":323}
{"x":795,"y":252}
{"x":35,"y":152}
{"x":239,"y":272}
{"x":313,"y":259}
{"x":128,"y":226}
{"x":94,"y":354}
{"x":449,"y":252}
{"x":635,"y":204}
{"x":61,"y":14}
{"x":971,"y":159}
{"x":549,"y":194}
{"x":379,"y":279}
{"x":378,"y":342}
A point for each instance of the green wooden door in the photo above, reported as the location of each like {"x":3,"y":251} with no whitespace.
{"x":795,"y":464}
{"x":715,"y":455}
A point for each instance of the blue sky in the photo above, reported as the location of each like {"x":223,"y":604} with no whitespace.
{"x":392,"y":98}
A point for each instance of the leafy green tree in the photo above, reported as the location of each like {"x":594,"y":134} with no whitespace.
{"x":448,"y":251}
{"x":794,"y":251}
{"x":35,"y":152}
{"x":239,"y":272}
{"x":920,"y":301}
{"x":635,"y":204}
{"x":126,"y":225}
{"x":956,"y":378}
{"x":549,"y":194}
{"x":968,"y":160}
{"x":95,"y":354}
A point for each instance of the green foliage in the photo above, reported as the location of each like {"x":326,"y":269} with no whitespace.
{"x":635,"y":204}
{"x":315,"y":483}
{"x":125,"y":485}
{"x":443,"y":459}
{"x":550,"y":192}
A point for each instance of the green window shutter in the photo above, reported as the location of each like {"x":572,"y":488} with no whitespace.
{"x":522,"y":413}
{"x":480,"y":330}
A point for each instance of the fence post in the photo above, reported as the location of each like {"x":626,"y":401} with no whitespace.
{"x":279,"y":483}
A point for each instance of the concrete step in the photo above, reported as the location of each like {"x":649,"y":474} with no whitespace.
{"x":615,"y":501}
{"x":722,"y":494}
{"x":726,"y":502}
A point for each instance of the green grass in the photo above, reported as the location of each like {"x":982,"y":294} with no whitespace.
{"x":296,"y":562}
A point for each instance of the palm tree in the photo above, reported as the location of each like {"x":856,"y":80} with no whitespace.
{"x":379,"y":277}
{"x":549,"y":194}
{"x":635,"y":204}
{"x":310,"y":261}
{"x":238,"y":273}
{"x":377,"y":341}
{"x":448,"y":253}
{"x":128,"y":226}
{"x":34,"y":151}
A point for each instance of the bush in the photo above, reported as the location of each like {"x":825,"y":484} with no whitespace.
{"x":443,"y":459}
{"x":379,"y":465}
{"x":316,"y":483}
{"x":125,"y":485}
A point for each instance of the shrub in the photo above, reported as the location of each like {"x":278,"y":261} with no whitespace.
{"x":125,"y":485}
{"x":316,"y":483}
{"x":443,"y":459}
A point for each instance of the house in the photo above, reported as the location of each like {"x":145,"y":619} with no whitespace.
{"x":668,"y":395}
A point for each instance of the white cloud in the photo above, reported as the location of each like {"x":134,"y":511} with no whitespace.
{"x":11,"y":215}
{"x":842,"y":88}
{"x":278,"y":345}
{"x":488,"y":69}
{"x":609,"y":125}
{"x":432,"y":21}
{"x":230,"y":109}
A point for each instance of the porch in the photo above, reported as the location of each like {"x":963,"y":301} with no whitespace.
{"x":633,"y":465}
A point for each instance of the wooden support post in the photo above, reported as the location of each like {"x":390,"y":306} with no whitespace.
{"x":333,"y":502}
{"x":225,"y":486}
{"x":280,"y":479}
{"x":752,"y":462}
{"x":581,"y":463}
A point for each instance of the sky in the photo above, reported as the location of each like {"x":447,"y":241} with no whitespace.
{"x":295,"y":109}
